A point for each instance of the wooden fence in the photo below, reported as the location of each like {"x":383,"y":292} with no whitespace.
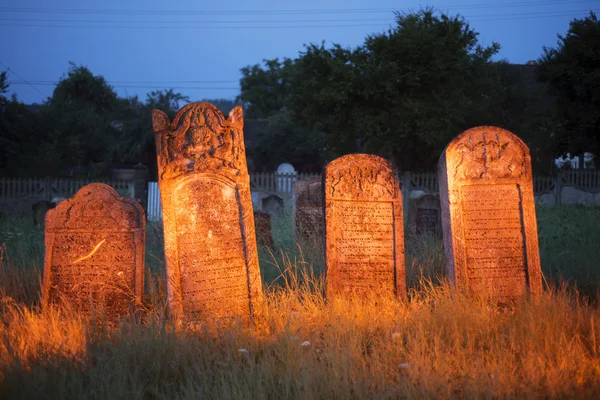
{"x":276,"y":183}
{"x":17,"y":195}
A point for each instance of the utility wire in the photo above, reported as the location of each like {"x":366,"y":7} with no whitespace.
{"x":79,"y":21}
{"x":137,"y":86}
{"x":512,"y":4}
{"x":23,"y":80}
{"x":53,"y":82}
{"x":179,"y":26}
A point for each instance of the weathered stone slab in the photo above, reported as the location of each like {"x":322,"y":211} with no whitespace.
{"x":210,"y":241}
{"x":364,"y":231}
{"x":308,"y":208}
{"x":94,"y":255}
{"x":262,"y":221}
{"x":488,"y":213}
{"x":423,"y":213}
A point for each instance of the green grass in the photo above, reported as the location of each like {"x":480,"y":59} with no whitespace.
{"x":442,"y":343}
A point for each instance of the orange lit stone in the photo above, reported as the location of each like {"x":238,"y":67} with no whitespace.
{"x":488,"y":213}
{"x":95,"y":252}
{"x":364,"y":230}
{"x":210,"y":242}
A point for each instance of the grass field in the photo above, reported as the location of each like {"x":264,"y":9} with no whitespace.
{"x":442,"y":343}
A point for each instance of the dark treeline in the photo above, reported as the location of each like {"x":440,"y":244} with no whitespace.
{"x":402,"y":94}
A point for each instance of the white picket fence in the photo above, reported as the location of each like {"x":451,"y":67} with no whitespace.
{"x":262,"y":181}
{"x":154,"y":208}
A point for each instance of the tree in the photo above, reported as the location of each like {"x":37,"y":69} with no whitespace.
{"x":572,"y":73}
{"x":79,"y":124}
{"x":264,"y":91}
{"x":16,"y":127}
{"x":404,"y":93}
{"x":283,"y":141}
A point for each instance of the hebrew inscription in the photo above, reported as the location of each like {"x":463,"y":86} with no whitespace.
{"x":488,"y":214}
{"x":211,"y":250}
{"x":94,"y":257}
{"x":210,"y":240}
{"x":364,"y":228}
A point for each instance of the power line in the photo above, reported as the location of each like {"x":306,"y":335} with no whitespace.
{"x":54,"y":82}
{"x":79,"y":21}
{"x":24,"y":81}
{"x":479,"y":18}
{"x":138,"y":86}
{"x":280,"y":12}
{"x":194,"y":22}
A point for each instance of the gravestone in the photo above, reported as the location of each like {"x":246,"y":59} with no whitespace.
{"x":424,"y":215}
{"x":262,"y":222}
{"x":210,"y":241}
{"x":364,"y":230}
{"x":488,"y":213}
{"x":308,"y":208}
{"x":94,"y":258}
{"x":40,"y":209}
{"x":272,"y":205}
{"x":285,"y":181}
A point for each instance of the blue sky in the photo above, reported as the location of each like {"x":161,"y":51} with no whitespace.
{"x":198,"y":47}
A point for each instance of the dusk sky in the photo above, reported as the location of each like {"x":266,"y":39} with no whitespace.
{"x":198,"y":47}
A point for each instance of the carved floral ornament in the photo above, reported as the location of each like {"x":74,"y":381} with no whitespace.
{"x":359,"y":176}
{"x":487,"y":153}
{"x":199,"y":139}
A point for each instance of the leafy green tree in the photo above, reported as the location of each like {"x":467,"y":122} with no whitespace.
{"x":283,"y":141}
{"x":404,"y":93}
{"x":16,"y":128}
{"x":572,"y":74}
{"x":80,"y":122}
{"x":264,"y":91}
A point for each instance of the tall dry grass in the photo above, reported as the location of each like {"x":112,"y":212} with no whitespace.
{"x":441,"y":343}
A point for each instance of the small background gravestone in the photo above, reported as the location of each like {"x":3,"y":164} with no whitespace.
{"x":364,"y":228}
{"x":308,"y":209}
{"x":262,"y":222}
{"x":94,"y":257}
{"x":488,"y":213}
{"x":424,"y":215}
{"x":210,"y":241}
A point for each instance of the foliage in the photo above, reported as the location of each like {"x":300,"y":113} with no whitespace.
{"x":572,"y":73}
{"x":16,"y":129}
{"x":283,"y":141}
{"x":78,"y":124}
{"x":403,"y":94}
{"x":264,"y":91}
{"x":84,"y":124}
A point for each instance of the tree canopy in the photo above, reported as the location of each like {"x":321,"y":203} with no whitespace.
{"x":403,"y":94}
{"x":571,"y":72}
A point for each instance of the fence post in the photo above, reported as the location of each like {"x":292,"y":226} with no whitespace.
{"x":48,"y":188}
{"x":558,"y":189}
{"x":406,"y":188}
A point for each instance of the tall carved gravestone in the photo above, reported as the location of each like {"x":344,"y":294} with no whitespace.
{"x":94,"y":255}
{"x":210,"y":242}
{"x":488,"y":213}
{"x":364,"y":230}
{"x":308,"y":208}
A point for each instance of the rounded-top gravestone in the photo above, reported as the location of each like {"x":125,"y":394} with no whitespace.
{"x":488,"y":213}
{"x":287,"y":176}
